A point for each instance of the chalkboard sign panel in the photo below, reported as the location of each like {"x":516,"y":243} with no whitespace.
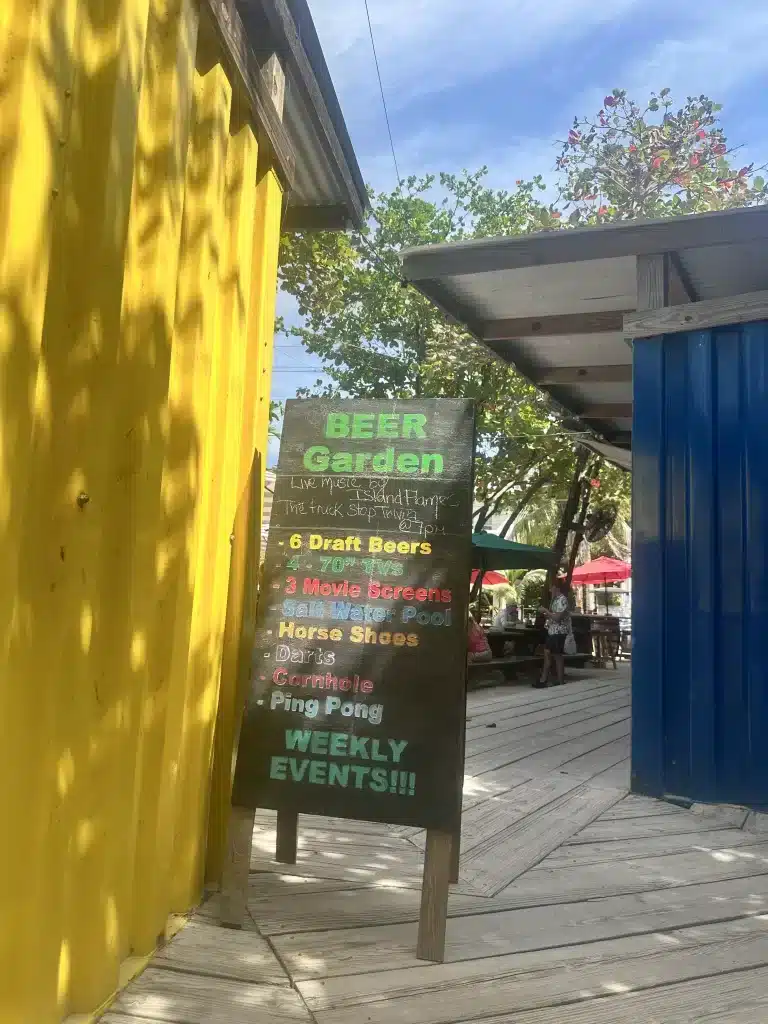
{"x":356,"y":705}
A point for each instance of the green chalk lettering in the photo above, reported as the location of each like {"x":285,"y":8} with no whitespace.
{"x":297,"y":739}
{"x":387,"y":426}
{"x":397,"y":747}
{"x":413,"y":424}
{"x":319,"y":743}
{"x":375,"y":754}
{"x":339,"y":745}
{"x":407,"y":462}
{"x":318,"y":772}
{"x":359,"y":773}
{"x":337,"y":425}
{"x":278,"y":767}
{"x":298,"y":768}
{"x":362,"y":425}
{"x":379,"y":782}
{"x":338,"y":774}
{"x":358,"y":747}
{"x":432,"y":463}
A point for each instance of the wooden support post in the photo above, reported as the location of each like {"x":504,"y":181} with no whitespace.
{"x":455,"y":856}
{"x":234,"y":885}
{"x":287,"y":837}
{"x":434,"y":896}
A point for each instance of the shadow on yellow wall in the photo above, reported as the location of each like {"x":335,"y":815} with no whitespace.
{"x":138,"y":262}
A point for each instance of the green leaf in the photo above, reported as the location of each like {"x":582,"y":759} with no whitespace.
{"x":759,"y":182}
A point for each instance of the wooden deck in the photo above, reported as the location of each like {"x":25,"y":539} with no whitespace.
{"x":577,"y":903}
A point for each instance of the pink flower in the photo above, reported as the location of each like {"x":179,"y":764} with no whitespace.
{"x":701,"y":135}
{"x":695,"y":160}
{"x":556,"y":215}
{"x":588,"y":199}
{"x":602,"y":211}
{"x":609,"y":101}
{"x":633,"y":148}
{"x":719,"y":149}
{"x":573,"y":136}
{"x":744,"y":171}
{"x":657,"y":163}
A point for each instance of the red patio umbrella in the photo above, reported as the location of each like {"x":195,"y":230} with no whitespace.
{"x":490,"y":578}
{"x":602,"y":570}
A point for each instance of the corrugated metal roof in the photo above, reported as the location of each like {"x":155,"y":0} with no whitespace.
{"x":506,"y":291}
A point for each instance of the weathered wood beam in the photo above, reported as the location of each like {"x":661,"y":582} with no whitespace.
{"x":698,"y":316}
{"x":615,"y":374}
{"x":607,"y":411}
{"x":261,"y":92}
{"x":554,"y":326}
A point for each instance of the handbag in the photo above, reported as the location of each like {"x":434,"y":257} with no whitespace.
{"x":569,"y":647}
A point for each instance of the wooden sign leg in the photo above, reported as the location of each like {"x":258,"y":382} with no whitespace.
{"x":234,"y":883}
{"x":434,"y":896}
{"x":287,"y":837}
{"x":455,"y":856}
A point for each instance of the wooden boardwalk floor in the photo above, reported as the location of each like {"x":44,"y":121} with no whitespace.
{"x":577,"y":903}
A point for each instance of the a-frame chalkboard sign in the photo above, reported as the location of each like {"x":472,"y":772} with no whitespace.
{"x":356,"y":707}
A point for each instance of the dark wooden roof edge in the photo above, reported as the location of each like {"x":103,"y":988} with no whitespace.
{"x":249,"y":82}
{"x":319,"y":99}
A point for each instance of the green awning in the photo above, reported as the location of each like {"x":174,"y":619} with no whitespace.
{"x":492,"y":552}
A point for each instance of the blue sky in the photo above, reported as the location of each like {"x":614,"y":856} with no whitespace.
{"x":496,"y":82}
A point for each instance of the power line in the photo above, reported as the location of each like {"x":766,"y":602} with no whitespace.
{"x":381,"y":90}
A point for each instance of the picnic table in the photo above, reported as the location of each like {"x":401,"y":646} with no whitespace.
{"x":525,"y":639}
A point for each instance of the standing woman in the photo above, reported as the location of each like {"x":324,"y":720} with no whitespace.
{"x":558,"y":625}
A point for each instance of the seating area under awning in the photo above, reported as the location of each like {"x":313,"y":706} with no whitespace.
{"x":556,"y":304}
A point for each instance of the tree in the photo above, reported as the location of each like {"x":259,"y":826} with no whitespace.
{"x":379,"y":339}
{"x":632,"y":161}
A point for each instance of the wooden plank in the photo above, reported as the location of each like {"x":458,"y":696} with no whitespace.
{"x":175,"y":996}
{"x":234,"y":884}
{"x":514,"y":718}
{"x":576,"y":246}
{"x":621,"y":373}
{"x":736,"y":998}
{"x":595,"y":761}
{"x":246,"y":74}
{"x":652,"y":281}
{"x":205,"y":949}
{"x":634,"y":806}
{"x":507,"y":984}
{"x":610,"y":321}
{"x":492,"y":865}
{"x":718,"y":845}
{"x":557,"y":755}
{"x":616,"y":777}
{"x":363,"y":950}
{"x":550,"y":751}
{"x":698,"y":316}
{"x":433,"y":911}
{"x":286,"y":837}
{"x":643,"y":828}
{"x":496,"y":814}
{"x":513,"y":735}
{"x":606,"y":411}
{"x":546,"y":885}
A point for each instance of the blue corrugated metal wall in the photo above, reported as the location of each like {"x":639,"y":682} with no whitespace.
{"x":700,"y":565}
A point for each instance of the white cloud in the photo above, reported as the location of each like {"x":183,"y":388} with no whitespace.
{"x":425,"y":46}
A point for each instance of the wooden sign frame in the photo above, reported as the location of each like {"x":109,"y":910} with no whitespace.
{"x":442,"y":849}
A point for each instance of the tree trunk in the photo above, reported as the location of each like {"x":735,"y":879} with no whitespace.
{"x":579,"y":533}
{"x":569,"y":513}
{"x":529,"y":493}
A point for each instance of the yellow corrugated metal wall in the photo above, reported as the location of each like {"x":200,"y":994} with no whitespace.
{"x":138,"y":261}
